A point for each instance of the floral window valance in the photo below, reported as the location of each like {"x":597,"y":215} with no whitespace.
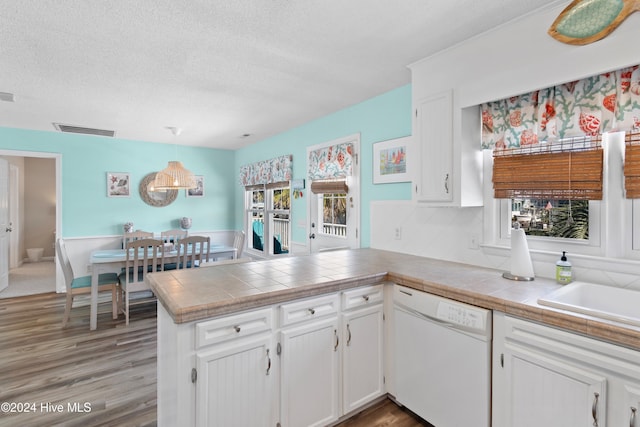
{"x":267,"y":171}
{"x":335,"y":161}
{"x":598,"y":104}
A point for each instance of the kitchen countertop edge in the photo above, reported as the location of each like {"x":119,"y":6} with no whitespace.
{"x":523,"y":304}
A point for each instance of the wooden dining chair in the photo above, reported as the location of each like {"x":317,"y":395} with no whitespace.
{"x":173,"y":236}
{"x":107,"y":282}
{"x":135,"y":235}
{"x":143,"y":256}
{"x":193,"y":251}
{"x":238,"y":242}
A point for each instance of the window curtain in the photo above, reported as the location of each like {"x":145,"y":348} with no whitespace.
{"x":632,"y":166}
{"x":331,"y":162}
{"x":278,"y":169}
{"x":591,"y":106}
{"x":569,"y":169}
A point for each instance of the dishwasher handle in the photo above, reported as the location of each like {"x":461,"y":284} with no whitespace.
{"x":428,"y":317}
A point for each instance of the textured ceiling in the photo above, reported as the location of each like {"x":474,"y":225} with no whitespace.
{"x":218,"y":69}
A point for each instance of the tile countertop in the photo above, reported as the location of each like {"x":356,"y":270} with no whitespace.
{"x":201,"y":293}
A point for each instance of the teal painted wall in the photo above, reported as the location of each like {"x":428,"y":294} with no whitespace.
{"x":384,"y":117}
{"x":87,"y":211}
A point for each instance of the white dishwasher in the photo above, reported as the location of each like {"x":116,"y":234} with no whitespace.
{"x":442,"y":359}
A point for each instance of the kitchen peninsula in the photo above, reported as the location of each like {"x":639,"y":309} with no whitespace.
{"x":209,"y":314}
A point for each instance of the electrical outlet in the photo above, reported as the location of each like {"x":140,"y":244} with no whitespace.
{"x":474,"y":241}
{"x":88,"y":268}
{"x":398,"y":233}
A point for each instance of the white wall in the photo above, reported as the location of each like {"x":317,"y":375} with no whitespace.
{"x":512,"y":59}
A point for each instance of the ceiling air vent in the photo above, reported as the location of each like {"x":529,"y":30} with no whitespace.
{"x":83,"y":130}
{"x":7,"y":97}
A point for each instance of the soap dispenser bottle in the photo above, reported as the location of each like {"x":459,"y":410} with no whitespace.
{"x":563,"y":270}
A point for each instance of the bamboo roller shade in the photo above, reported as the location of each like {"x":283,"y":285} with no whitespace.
{"x":321,"y":187}
{"x":632,"y":166}
{"x":567,"y":175}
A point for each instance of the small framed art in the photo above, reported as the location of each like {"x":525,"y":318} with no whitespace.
{"x":118,"y":184}
{"x":198,"y":191}
{"x":391,"y":160}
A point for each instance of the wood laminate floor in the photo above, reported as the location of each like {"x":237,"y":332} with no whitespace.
{"x":51,"y":376}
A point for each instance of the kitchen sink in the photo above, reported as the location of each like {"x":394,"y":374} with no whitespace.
{"x":606,"y":302}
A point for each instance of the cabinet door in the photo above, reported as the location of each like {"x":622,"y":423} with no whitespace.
{"x":310,"y":374}
{"x":362,"y":373}
{"x":434,"y":127}
{"x":236,"y":384}
{"x":543,"y":391}
{"x":629,"y":411}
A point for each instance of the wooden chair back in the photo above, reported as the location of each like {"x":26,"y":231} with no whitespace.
{"x":135,"y":235}
{"x":143,"y":256}
{"x":238,"y":242}
{"x":193,"y":251}
{"x":173,"y":236}
{"x":65,"y":264}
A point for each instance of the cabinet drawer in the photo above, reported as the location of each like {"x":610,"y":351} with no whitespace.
{"x":365,"y":296}
{"x":308,"y":309}
{"x":235,"y":326}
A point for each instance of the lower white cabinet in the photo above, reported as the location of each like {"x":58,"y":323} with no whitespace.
{"x":332,"y":365}
{"x":235,"y":384}
{"x":363,"y":350}
{"x":310,"y":373}
{"x":550,"y":377}
{"x":319,"y":359}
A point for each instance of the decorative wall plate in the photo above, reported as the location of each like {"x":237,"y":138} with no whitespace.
{"x":155,"y":198}
{"x":587,"y":21}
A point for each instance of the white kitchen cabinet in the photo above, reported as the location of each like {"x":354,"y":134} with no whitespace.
{"x":547,"y":376}
{"x":217,"y":372}
{"x":236,"y":383}
{"x":434,"y":129}
{"x":448,"y":142}
{"x":234,"y":377}
{"x":331,"y":365}
{"x":363,"y":349}
{"x":310,"y":373}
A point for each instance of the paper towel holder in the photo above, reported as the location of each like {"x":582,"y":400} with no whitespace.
{"x":510,"y":274}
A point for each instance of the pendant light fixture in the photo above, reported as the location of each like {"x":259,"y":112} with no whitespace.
{"x":175,"y":176}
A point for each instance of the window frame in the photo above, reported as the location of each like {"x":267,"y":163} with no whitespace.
{"x":268,"y":212}
{"x":614,"y":222}
{"x":320,"y":219}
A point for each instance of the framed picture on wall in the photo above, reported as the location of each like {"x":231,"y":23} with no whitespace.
{"x":199,"y":190}
{"x":118,"y":184}
{"x":391,"y":160}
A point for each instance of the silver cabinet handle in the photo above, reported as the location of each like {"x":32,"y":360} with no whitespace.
{"x":312,"y":311}
{"x":237,"y":329}
{"x":335,"y":333}
{"x":365,"y":297}
{"x":349,"y":335}
{"x":594,"y":409}
{"x":446,"y":183}
{"x":632,"y":418}
{"x":268,"y":362}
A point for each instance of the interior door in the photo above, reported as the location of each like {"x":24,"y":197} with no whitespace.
{"x":4,"y":224}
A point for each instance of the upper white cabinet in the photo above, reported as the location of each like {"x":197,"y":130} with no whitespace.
{"x":434,"y":127}
{"x":449,"y":169}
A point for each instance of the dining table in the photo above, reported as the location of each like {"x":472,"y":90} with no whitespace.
{"x":114,"y":260}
